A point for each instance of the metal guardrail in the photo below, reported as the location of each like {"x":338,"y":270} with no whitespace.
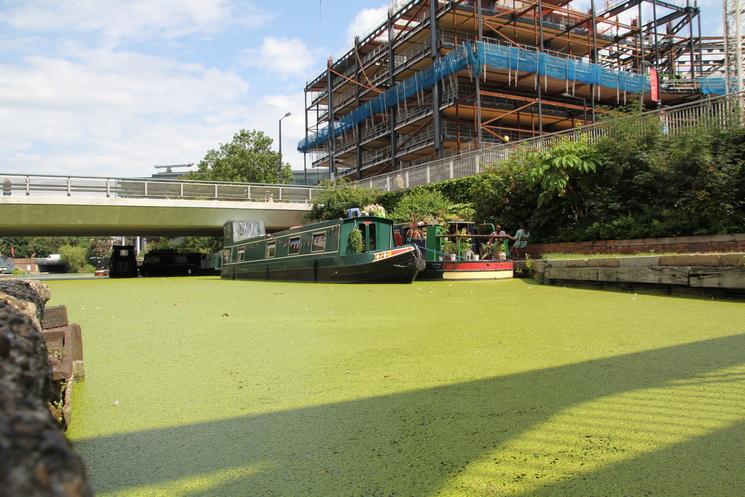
{"x":91,"y":186}
{"x":720,"y":111}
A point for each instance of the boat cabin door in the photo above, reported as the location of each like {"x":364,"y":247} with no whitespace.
{"x":369,"y":236}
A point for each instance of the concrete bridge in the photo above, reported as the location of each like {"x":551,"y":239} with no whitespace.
{"x":77,"y":205}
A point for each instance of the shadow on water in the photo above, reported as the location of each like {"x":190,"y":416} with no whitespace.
{"x":413,"y":443}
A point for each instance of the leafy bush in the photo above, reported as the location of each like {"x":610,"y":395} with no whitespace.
{"x":635,"y":182}
{"x":422,"y":204}
{"x":75,"y":257}
{"x":335,"y":199}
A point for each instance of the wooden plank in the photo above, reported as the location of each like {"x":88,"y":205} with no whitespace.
{"x":573,"y":274}
{"x":733,"y":278}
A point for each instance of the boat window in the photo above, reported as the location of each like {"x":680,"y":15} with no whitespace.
{"x":226,"y":256}
{"x":319,"y":242}
{"x":294,"y":245}
{"x":271,"y":248}
{"x":123,"y":252}
{"x":241,"y":252}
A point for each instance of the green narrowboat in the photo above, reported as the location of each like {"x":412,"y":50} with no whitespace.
{"x":354,"y":250}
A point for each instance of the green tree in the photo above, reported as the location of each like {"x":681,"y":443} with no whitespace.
{"x":421,"y":204}
{"x":248,"y":158}
{"x":76,"y":258}
{"x":560,"y":169}
{"x":335,"y":199}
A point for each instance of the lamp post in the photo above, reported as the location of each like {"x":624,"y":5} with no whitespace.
{"x":584,"y":105}
{"x":279,"y":168}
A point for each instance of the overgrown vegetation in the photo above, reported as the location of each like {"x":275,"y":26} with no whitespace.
{"x":76,"y":258}
{"x":334,"y":200}
{"x":636,"y":182}
{"x":421,"y":204}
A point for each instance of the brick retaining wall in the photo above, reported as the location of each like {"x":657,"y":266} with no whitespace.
{"x":678,"y":244}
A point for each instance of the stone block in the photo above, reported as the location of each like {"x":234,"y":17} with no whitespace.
{"x":30,"y":291}
{"x":65,"y":345}
{"x":54,"y":317}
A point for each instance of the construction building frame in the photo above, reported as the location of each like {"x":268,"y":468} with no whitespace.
{"x":441,"y":77}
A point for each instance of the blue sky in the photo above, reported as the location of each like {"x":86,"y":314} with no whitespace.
{"x":106,"y":87}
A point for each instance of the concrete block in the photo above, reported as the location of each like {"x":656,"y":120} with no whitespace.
{"x":75,"y":339}
{"x":65,"y":346}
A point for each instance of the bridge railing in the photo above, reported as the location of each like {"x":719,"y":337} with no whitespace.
{"x":90,"y":186}
{"x":720,"y":112}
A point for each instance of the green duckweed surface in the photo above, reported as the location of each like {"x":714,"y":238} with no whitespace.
{"x":203,"y":387}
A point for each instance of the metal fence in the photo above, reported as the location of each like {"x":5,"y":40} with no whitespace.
{"x":723,"y":112}
{"x":90,"y":186}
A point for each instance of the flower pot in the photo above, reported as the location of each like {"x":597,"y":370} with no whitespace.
{"x":475,"y":257}
{"x":452,"y":257}
{"x":502,"y":256}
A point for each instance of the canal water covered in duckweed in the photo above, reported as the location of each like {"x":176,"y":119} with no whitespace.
{"x":203,"y":387}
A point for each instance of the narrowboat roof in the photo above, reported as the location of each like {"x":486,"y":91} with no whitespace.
{"x":314,"y":226}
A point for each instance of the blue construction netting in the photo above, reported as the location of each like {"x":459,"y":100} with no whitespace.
{"x":563,"y":68}
{"x":496,"y":56}
{"x":712,"y":85}
{"x":443,"y":67}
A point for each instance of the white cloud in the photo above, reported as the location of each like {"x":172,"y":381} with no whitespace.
{"x":107,"y":112}
{"x":365,"y":21}
{"x":117,"y":19}
{"x":284,"y":56}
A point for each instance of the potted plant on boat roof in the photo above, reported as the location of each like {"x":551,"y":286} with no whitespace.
{"x":376,"y":210}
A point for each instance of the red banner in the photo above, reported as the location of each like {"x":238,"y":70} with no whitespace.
{"x":654,"y":85}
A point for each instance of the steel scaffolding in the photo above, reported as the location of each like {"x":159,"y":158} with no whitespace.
{"x":441,"y":77}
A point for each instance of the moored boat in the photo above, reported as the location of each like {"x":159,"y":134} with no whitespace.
{"x":354,"y":250}
{"x":455,"y":251}
{"x":169,"y":262}
{"x":123,"y":263}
